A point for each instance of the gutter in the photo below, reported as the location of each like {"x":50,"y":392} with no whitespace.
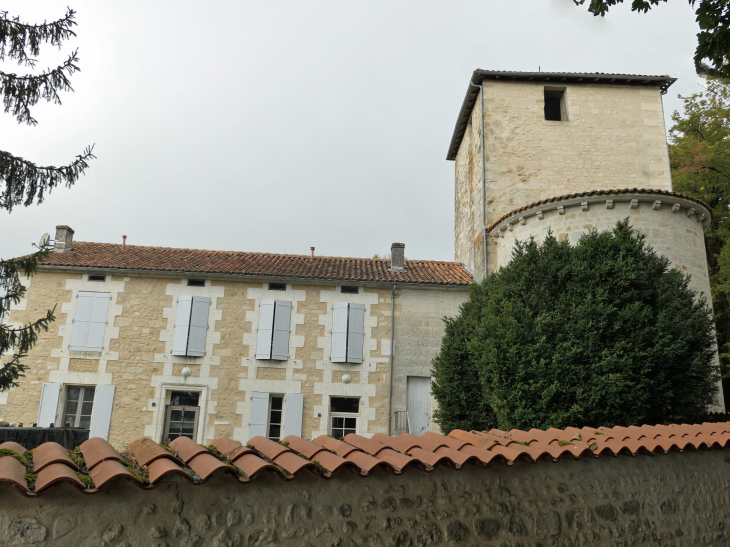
{"x":392,"y":351}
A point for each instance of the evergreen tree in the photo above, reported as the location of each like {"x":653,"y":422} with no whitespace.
{"x":602,"y":333}
{"x":23,"y":182}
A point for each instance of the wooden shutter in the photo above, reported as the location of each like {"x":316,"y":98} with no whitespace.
{"x":339,"y":332}
{"x":266,"y":329}
{"x":182,"y":325}
{"x":418,"y":397}
{"x":198,"y":326}
{"x":101,"y":414}
{"x":81,"y":321}
{"x":356,"y":333}
{"x":293,"y":410}
{"x":282,"y":322}
{"x":49,"y":404}
{"x":97,"y":326}
{"x":259,"y":415}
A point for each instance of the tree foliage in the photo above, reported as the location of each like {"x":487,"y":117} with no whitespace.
{"x":602,"y":333}
{"x":699,"y":153}
{"x":713,"y":17}
{"x":22,"y":181}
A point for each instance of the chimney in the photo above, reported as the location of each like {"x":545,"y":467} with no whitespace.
{"x":397,"y":257}
{"x":64,"y":239}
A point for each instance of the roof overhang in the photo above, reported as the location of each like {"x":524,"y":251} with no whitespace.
{"x":559,"y":78}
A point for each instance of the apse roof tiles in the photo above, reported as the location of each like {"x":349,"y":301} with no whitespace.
{"x":148,"y":464}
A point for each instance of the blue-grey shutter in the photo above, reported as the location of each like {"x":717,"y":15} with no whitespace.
{"x":101,"y":414}
{"x":356,"y":333}
{"x":418,"y":401}
{"x":339,"y":332}
{"x":266,"y":329}
{"x":198,"y":326}
{"x":282,"y":322}
{"x":182,"y":325}
{"x":293,"y":410}
{"x":97,"y":325}
{"x":81,"y":321}
{"x":49,"y":404}
{"x":259,"y":415}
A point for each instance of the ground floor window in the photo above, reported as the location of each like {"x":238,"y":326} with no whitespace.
{"x":78,"y":407}
{"x":276,"y":413}
{"x":344,"y":412}
{"x":181,"y":415}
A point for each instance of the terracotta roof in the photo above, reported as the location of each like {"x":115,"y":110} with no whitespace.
{"x":164,"y":259}
{"x":662,"y":82}
{"x":600,"y":193}
{"x":96,"y":465}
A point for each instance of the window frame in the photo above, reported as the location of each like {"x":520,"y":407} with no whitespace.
{"x":96,"y":278}
{"x":345,"y":415}
{"x":269,"y":412}
{"x":349,"y":289}
{"x":196,"y":283}
{"x":80,"y":401}
{"x":556,"y":93}
{"x":277,"y":286}
{"x":165,"y":438}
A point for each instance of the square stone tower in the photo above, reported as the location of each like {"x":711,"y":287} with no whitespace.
{"x":547,"y":135}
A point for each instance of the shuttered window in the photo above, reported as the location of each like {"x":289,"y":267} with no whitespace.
{"x":272,"y":341}
{"x":89,"y":322}
{"x":293,"y":410}
{"x":348,"y":333}
{"x":191,"y":326}
{"x":101,"y":415}
{"x":49,"y":404}
{"x":259,"y":415}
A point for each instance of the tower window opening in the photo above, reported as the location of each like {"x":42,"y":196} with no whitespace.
{"x":555,"y":109}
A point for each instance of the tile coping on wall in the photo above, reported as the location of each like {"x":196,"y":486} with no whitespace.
{"x":96,"y":465}
{"x":642,"y":194}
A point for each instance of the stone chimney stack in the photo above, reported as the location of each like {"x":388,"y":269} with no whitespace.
{"x":64,"y":239}
{"x":398,"y":257}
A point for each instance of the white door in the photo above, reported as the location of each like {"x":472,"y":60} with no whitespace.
{"x":419,"y":404}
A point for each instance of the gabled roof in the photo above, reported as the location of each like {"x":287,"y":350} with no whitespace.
{"x":558,"y":78}
{"x":164,"y":259}
{"x":327,"y":457}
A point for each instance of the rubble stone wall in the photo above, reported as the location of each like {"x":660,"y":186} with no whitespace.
{"x":675,"y":499}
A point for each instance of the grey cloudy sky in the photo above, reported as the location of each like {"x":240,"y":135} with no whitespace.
{"x":279,"y":125}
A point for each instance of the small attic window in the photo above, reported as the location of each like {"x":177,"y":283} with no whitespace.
{"x":96,"y":277}
{"x":350,"y":290}
{"x":277,"y":286}
{"x":555,"y":109}
{"x":196,"y":282}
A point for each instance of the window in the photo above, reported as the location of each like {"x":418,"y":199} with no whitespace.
{"x":276,"y":415}
{"x":277,"y":286}
{"x":196,"y":282}
{"x":555,"y":109}
{"x":79,"y":405}
{"x":89,"y":322}
{"x":191,"y":326}
{"x":94,"y":277}
{"x":348,"y":332}
{"x":343,"y":416}
{"x":181,"y":415}
{"x":350,"y":290}
{"x":273,"y":335}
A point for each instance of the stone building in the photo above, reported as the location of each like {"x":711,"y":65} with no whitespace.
{"x":166,"y":342}
{"x":568,"y":152}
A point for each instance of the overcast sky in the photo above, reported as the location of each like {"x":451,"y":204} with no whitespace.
{"x":275,"y":126}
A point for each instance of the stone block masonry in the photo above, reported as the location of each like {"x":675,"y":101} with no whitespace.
{"x":673,"y":499}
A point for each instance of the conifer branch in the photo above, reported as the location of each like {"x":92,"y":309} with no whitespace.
{"x":25,"y":182}
{"x":21,"y":92}
{"x":18,"y":40}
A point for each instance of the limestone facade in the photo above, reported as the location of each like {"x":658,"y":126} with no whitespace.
{"x":613,"y":137}
{"x":137,"y":350}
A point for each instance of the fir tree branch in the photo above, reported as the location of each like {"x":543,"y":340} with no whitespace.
{"x":18,"y":40}
{"x":21,"y":92}
{"x":26,"y":182}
